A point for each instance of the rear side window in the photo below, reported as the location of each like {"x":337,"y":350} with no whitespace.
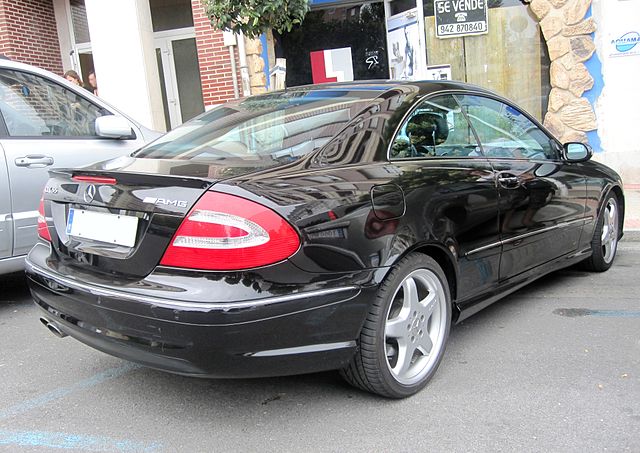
{"x":272,"y":128}
{"x":33,"y":106}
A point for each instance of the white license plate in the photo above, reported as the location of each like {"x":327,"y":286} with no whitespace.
{"x":102,"y":227}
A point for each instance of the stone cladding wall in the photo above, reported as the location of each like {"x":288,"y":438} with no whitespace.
{"x":568,"y":35}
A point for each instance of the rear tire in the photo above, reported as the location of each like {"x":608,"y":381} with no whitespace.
{"x":605,"y":237}
{"x":404,"y":335}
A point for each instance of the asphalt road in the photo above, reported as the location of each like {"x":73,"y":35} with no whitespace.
{"x":554,"y":367}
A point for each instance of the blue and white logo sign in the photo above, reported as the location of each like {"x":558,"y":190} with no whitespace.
{"x":627,"y":44}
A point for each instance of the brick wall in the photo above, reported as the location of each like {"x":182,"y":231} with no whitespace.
{"x":28,"y":33}
{"x":214,"y":60}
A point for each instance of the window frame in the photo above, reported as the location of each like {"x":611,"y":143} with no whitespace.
{"x":484,"y":94}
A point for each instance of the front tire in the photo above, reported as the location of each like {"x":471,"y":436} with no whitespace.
{"x":605,"y":237}
{"x":404,"y":335}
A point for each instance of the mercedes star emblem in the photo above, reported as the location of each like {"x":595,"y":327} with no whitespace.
{"x":89,"y":193}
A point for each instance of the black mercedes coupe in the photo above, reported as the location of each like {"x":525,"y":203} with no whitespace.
{"x":338,"y":226}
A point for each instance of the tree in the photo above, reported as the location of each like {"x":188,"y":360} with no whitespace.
{"x":254,"y":17}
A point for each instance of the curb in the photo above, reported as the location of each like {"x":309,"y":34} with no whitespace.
{"x":631,"y":236}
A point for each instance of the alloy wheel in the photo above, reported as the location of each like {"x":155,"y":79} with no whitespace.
{"x":415,"y":326}
{"x":609,"y":238}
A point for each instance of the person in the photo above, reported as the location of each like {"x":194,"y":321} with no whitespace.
{"x":408,"y":55}
{"x":93,"y":82}
{"x":73,"y":77}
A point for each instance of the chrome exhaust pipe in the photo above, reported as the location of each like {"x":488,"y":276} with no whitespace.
{"x":53,"y":328}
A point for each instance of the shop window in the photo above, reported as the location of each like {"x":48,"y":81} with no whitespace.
{"x":79,"y":21}
{"x":170,"y":14}
{"x":360,"y":28}
{"x":510,"y":59}
{"x":400,"y":6}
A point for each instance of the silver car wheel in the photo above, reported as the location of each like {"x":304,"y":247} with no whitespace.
{"x":609,"y":238}
{"x":415,"y":327}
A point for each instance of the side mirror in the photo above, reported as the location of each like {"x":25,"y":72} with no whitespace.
{"x":576,"y":152}
{"x":112,"y":126}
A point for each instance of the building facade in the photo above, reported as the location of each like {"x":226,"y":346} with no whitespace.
{"x":571,"y":63}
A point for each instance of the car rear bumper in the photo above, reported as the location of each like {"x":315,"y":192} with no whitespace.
{"x":307,"y":330}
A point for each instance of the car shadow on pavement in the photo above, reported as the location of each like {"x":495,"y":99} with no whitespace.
{"x":258,"y":393}
{"x":14,"y":290}
{"x":312,"y":389}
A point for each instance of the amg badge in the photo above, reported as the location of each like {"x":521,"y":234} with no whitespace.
{"x":165,"y":202}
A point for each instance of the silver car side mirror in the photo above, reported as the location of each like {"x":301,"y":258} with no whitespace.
{"x":113,"y":126}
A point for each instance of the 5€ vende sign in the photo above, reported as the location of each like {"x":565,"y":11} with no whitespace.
{"x":456,"y":18}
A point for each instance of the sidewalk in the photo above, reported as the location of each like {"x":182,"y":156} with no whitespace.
{"x":632,"y":213}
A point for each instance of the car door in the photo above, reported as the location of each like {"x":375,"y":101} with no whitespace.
{"x":542,"y":198}
{"x":6,"y":223}
{"x":43,"y":125}
{"x":449,"y":187}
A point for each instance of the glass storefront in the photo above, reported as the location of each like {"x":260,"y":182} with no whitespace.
{"x":170,"y":14}
{"x":510,"y":58}
{"x":360,"y":28}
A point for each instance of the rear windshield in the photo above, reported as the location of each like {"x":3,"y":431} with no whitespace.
{"x":273,"y":128}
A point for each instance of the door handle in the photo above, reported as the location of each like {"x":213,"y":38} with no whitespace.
{"x":508,"y":181}
{"x":34,"y":161}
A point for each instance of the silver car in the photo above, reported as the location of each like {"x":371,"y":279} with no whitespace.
{"x":47,"y":122}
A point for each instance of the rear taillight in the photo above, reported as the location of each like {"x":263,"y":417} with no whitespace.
{"x":43,"y":230}
{"x":225,"y":232}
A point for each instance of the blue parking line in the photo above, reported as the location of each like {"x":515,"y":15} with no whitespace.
{"x":615,"y":313}
{"x":73,"y":442}
{"x":61,"y":392}
{"x":579,"y":312}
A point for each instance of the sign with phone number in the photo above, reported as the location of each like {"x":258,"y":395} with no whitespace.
{"x":455,"y":18}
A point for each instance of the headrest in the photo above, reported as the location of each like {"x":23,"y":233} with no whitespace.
{"x":428,"y":128}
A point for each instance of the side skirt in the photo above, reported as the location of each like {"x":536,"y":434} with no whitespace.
{"x":467,"y":308}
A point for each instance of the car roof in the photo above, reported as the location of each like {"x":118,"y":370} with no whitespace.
{"x":424,"y":86}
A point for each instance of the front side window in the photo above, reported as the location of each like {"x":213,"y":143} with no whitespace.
{"x":33,"y":106}
{"x":436,"y":128}
{"x":504,"y":131}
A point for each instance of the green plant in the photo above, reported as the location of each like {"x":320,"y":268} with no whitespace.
{"x":254,"y":17}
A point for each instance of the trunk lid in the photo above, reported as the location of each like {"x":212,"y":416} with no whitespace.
{"x":118,"y":217}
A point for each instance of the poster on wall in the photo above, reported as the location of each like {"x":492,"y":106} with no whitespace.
{"x":439,"y":72}
{"x":403,"y":44}
{"x":332,"y":65}
{"x":455,"y":18}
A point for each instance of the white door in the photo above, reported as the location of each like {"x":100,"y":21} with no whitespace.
{"x":177,"y":58}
